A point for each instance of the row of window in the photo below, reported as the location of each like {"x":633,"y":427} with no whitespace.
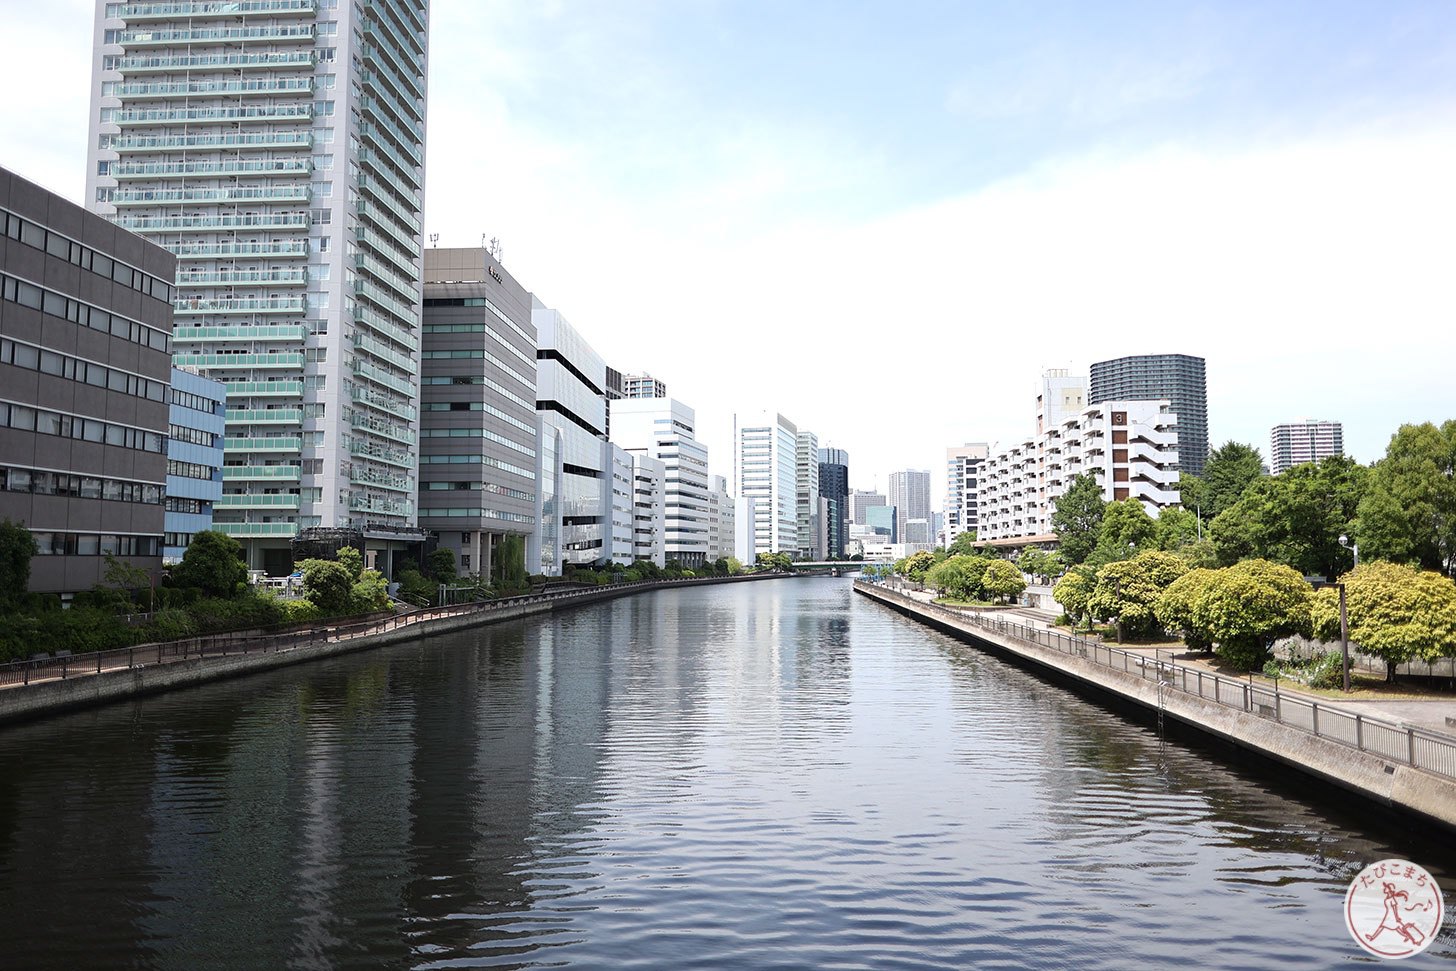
{"x":499,"y":490}
{"x":475,"y":513}
{"x":56,"y":304}
{"x":193,"y":436}
{"x":33,"y":358}
{"x":95,"y":544}
{"x":65,"y":248}
{"x":180,"y":504}
{"x":197,"y":402}
{"x":477,"y":433}
{"x":27,"y":419}
{"x":477,"y":460}
{"x":42,"y":483}
{"x":190,"y":470}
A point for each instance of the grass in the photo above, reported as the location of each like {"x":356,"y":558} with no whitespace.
{"x":952,"y":602}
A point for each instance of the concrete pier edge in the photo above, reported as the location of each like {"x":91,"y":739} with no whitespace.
{"x":55,"y":697}
{"x":1426,"y":795}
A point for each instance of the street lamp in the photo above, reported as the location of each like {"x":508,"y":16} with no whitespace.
{"x":1352,"y":547}
{"x":1344,"y":637}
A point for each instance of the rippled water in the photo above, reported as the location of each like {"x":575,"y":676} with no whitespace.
{"x":770,"y":775}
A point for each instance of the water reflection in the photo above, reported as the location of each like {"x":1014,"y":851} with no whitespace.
{"x":765,"y":775}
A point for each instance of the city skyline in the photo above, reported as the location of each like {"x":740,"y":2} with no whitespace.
{"x":1078,"y":174}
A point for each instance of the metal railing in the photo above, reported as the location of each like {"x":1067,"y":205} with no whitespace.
{"x":1417,"y":747}
{"x":236,"y":643}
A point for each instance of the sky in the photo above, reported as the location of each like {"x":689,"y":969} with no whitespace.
{"x":885,"y":221}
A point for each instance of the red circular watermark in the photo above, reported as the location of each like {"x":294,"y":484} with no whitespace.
{"x":1393,"y":909}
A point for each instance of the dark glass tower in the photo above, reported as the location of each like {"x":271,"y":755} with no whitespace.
{"x":1177,"y":377}
{"x":834,"y":487}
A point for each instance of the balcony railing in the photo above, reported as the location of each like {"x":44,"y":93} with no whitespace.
{"x":268,"y":33}
{"x":262,"y":500}
{"x":209,"y":8}
{"x":260,"y":472}
{"x":178,"y":142}
{"x":201,"y":62}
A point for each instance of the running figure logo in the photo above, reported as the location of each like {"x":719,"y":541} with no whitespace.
{"x":1393,"y":909}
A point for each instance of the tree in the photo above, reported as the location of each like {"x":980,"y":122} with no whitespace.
{"x":959,"y":577}
{"x":369,"y":592}
{"x":1128,"y":591}
{"x":1001,"y":580}
{"x":508,"y":566}
{"x":17,"y":546}
{"x":129,"y":579}
{"x":328,"y":585}
{"x":916,"y":564}
{"x":1408,"y":514}
{"x":1126,"y":530}
{"x":1073,"y":591}
{"x":1174,"y":608}
{"x":964,"y":544}
{"x":440,"y":565}
{"x":735,"y":567}
{"x":1077,"y":518}
{"x":775,"y":561}
{"x":213,"y":563}
{"x":350,"y":559}
{"x":1192,"y":495}
{"x":1245,"y":607}
{"x":1295,"y":518}
{"x":1395,"y":612}
{"x":1175,"y":528}
{"x":1230,"y":470}
{"x":1038,"y":562}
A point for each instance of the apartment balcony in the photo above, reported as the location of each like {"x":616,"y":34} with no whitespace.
{"x":281,"y":444}
{"x":260,"y":473}
{"x":135,"y":12}
{"x":290,"y":333}
{"x":202,"y":36}
{"x":264,"y":416}
{"x":383,"y":219}
{"x":399,"y":308}
{"x":291,"y":276}
{"x":256,"y":530}
{"x":245,"y":87}
{"x":228,"y":249}
{"x":381,"y":505}
{"x":121,"y":198}
{"x":401,"y":260}
{"x":264,"y":500}
{"x":220,"y":223}
{"x":378,"y":349}
{"x":384,"y":83}
{"x":260,"y":389}
{"x":382,"y":480}
{"x":122,"y":171}
{"x":387,"y":173}
{"x":178,"y":142}
{"x":374,"y":136}
{"x":239,"y":305}
{"x":379,"y":55}
{"x":403,"y":458}
{"x":400,"y":286}
{"x":380,"y":193}
{"x":383,"y":378}
{"x":386,"y":429}
{"x":213,"y":116}
{"x":213,"y":362}
{"x":166,"y":63}
{"x":398,"y":407}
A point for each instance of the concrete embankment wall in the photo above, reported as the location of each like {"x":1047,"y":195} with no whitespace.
{"x":1425,"y":794}
{"x":51,"y":697}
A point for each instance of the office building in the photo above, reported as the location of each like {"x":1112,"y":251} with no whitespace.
{"x":195,"y":474}
{"x":574,"y":511}
{"x":806,"y":495}
{"x":85,"y":342}
{"x":909,"y":493}
{"x":766,"y":445}
{"x":1304,"y":440}
{"x":834,"y":489}
{"x":884,"y":520}
{"x":665,"y":429}
{"x":277,"y":149}
{"x":642,"y":386}
{"x":722,"y":521}
{"x":618,"y":508}
{"x":860,"y":501}
{"x":745,"y":522}
{"x":963,"y":469}
{"x":1148,"y":377}
{"x":477,"y":410}
{"x":649,"y":509}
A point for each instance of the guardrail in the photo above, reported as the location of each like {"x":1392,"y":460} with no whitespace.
{"x":1417,"y":747}
{"x":236,"y":643}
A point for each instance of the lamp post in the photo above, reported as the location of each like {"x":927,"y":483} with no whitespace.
{"x":1352,"y":547}
{"x":1344,"y":638}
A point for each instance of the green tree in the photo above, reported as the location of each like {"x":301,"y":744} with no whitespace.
{"x":1245,"y":607}
{"x":1192,"y":495}
{"x":17,"y":546}
{"x":958,"y":577}
{"x":1175,"y":528}
{"x":1174,"y":608}
{"x":1128,"y":591}
{"x":1395,"y":612}
{"x":440,"y":565}
{"x":328,"y":585}
{"x":1230,"y":469}
{"x":1041,"y":563}
{"x":369,"y":593}
{"x":916,"y":564}
{"x":1073,"y":591}
{"x":1126,"y":530}
{"x":735,"y":566}
{"x":213,"y":563}
{"x":775,"y":561}
{"x":964,"y":544}
{"x":1408,"y":514}
{"x":508,"y":566}
{"x":128,"y":579}
{"x":350,"y":559}
{"x":1001,"y":580}
{"x":1077,"y":518}
{"x":1295,"y":518}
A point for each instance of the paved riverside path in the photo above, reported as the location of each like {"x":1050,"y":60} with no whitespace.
{"x":1434,"y":714}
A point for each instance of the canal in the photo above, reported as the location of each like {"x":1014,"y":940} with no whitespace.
{"x":763,"y":775}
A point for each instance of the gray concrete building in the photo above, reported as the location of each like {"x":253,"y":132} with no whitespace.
{"x":85,"y":342}
{"x":478,"y":423}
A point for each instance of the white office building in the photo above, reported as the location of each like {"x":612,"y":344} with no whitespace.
{"x":964,"y":466}
{"x":1304,"y":440}
{"x":649,"y":509}
{"x":722,"y":521}
{"x":665,"y":429}
{"x":277,"y":148}
{"x":766,"y":446}
{"x":910,"y":494}
{"x":806,"y":496}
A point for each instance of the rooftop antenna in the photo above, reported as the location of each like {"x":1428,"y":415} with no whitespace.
{"x":435,"y":239}
{"x":496,"y":250}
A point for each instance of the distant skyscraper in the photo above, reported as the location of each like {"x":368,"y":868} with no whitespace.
{"x":860,"y":500}
{"x":767,"y":447}
{"x":963,"y":465}
{"x":1148,"y":377}
{"x":642,"y":386}
{"x":834,"y":488}
{"x":910,"y":495}
{"x":1304,"y":440}
{"x":806,"y":494}
{"x":276,"y":148}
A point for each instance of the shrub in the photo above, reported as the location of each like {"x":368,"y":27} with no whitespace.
{"x":170,"y":625}
{"x":298,"y":611}
{"x":214,"y":614}
{"x":213,"y":564}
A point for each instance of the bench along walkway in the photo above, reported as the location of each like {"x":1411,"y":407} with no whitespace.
{"x":30,"y":688}
{"x":1354,"y":749}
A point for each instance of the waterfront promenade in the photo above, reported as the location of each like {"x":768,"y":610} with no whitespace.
{"x":1397,"y":764}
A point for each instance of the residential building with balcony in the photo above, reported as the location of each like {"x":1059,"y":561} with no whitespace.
{"x":195,"y":475}
{"x":1304,"y":440}
{"x":642,"y":386}
{"x":964,"y":469}
{"x":276,"y":148}
{"x":85,"y":368}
